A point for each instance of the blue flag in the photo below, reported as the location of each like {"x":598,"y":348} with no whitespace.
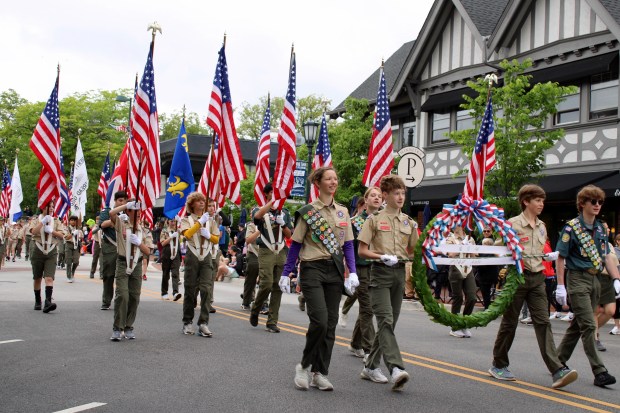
{"x":181,"y":179}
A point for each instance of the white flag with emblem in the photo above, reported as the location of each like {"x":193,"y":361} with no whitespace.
{"x":79,"y":186}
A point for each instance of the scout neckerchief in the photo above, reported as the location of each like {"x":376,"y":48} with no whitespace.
{"x":207,"y":247}
{"x":587,"y":243}
{"x":74,"y":237}
{"x":137,"y":252}
{"x":322,"y":233}
{"x":273,"y":246}
{"x":47,"y":244}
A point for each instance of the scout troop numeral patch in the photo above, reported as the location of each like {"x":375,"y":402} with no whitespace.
{"x":322,"y":232}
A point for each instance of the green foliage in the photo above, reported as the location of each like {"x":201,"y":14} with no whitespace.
{"x":520,"y":137}
{"x":169,"y":125}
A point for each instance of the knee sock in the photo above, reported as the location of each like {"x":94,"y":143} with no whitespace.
{"x":48,"y":293}
{"x":37,"y":296}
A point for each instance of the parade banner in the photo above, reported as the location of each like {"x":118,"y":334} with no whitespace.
{"x":15,"y":210}
{"x":79,"y":185}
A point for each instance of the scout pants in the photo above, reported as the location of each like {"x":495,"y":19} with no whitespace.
{"x":27,"y":246}
{"x":321,"y":285}
{"x":364,"y":330}
{"x":583,"y":291}
{"x":43,"y":266}
{"x":169,"y":267}
{"x":533,"y":293}
{"x":109,"y":254}
{"x":387,"y":285}
{"x":61,"y":254}
{"x":250,"y":279}
{"x":460,"y":286}
{"x":127,"y":294}
{"x":270,"y":267}
{"x":72,"y":259}
{"x":198,"y":275}
{"x":96,"y":254}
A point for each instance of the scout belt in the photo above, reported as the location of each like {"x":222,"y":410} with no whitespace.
{"x":323,"y":234}
{"x":587,"y":243}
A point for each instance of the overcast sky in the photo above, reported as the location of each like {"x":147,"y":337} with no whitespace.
{"x":102,"y":44}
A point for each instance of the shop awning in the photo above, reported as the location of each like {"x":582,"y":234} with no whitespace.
{"x":445,"y":101}
{"x":436,"y":194}
{"x":566,"y":186}
{"x":611,"y":185}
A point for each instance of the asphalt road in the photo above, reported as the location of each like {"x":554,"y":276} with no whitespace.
{"x":65,"y":361}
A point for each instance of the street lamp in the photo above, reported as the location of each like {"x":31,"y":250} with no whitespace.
{"x":310,"y":130}
{"x":121,"y":98}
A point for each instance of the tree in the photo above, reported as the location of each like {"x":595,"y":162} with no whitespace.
{"x":10,"y":101}
{"x":169,"y":125}
{"x":521,"y":140}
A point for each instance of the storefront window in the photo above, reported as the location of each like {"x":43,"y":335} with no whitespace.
{"x":440,"y":125}
{"x":464,"y":120}
{"x":604,"y":96}
{"x":568,"y":110}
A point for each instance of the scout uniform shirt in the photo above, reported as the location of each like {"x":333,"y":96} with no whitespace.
{"x":173,"y":245}
{"x":109,"y":233}
{"x":312,"y":248}
{"x":271,"y":235}
{"x":532,"y":239}
{"x":193,"y":242}
{"x":37,"y":237}
{"x":576,"y":254}
{"x":357,"y":222}
{"x":249,"y":230}
{"x":74,"y":242}
{"x":390,"y":234}
{"x":121,"y":237}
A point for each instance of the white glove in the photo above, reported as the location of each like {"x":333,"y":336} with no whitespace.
{"x":285,"y":284}
{"x":280,"y":219}
{"x":135,"y":239}
{"x":46,"y":219}
{"x":123,"y":217}
{"x":75,"y":232}
{"x":205,"y":232}
{"x":389,"y":260}
{"x":174,"y":235}
{"x":560,"y":295}
{"x":617,"y":287}
{"x":551,"y":256}
{"x":48,"y":229}
{"x":133,"y":205}
{"x":204,"y":218}
{"x":351,"y":283}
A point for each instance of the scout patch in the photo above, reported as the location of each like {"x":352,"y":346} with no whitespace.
{"x":340,"y":214}
{"x":524,"y":239}
{"x":587,"y":243}
{"x":384,"y":226}
{"x":565,"y":237}
{"x":406,"y":223}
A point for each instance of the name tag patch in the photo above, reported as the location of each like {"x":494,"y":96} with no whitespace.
{"x":384,"y":226}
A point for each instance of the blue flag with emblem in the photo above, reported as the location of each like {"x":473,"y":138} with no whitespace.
{"x":181,"y":179}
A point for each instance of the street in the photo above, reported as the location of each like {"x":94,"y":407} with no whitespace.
{"x":65,"y":361}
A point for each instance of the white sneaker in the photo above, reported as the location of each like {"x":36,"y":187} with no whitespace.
{"x":342,"y":320}
{"x":165,"y":297}
{"x":568,"y":317}
{"x":555,"y":315}
{"x":466,"y":333}
{"x":526,"y":320}
{"x":301,"y":377}
{"x":320,"y":382}
{"x":365,"y":359}
{"x":457,"y":333}
{"x":357,"y":352}
{"x":615,"y":331}
{"x":375,"y":375}
{"x":70,"y":280}
{"x":188,"y":329}
{"x":399,"y":378}
{"x":204,"y":331}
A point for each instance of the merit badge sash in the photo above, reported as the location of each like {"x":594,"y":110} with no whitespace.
{"x":322,"y":233}
{"x":586,"y":241}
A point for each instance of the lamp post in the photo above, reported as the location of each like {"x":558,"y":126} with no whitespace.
{"x":121,"y":98}
{"x":310,"y":130}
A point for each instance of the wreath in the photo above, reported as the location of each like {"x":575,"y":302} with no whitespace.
{"x":465,"y":213}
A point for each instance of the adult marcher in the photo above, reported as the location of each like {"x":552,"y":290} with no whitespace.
{"x":462,"y":281}
{"x":322,"y":274}
{"x":532,"y":234}
{"x":274,"y":226}
{"x":364,"y":329}
{"x":131,"y":245}
{"x":73,"y":242}
{"x":583,"y":250}
{"x":251,"y":273}
{"x":202,"y":234}
{"x":388,"y":237}
{"x":109,"y":250}
{"x":170,"y":259}
{"x":46,"y":233}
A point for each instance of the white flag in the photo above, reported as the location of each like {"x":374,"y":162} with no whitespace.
{"x":79,"y":186}
{"x":15,"y":211}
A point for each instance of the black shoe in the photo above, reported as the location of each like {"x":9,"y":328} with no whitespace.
{"x":212,"y":310}
{"x":50,"y":306}
{"x":92,"y":276}
{"x":105,"y":307}
{"x":272,"y":328}
{"x":37,"y":305}
{"x":604,"y":379}
{"x":177,"y":296}
{"x":254,"y":319}
{"x":245,"y":307}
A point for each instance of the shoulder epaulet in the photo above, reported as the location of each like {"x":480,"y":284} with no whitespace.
{"x":339,"y":204}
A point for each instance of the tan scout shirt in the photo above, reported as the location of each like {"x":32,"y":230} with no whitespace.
{"x":71,"y":241}
{"x":214,"y":229}
{"x":58,"y":226}
{"x":390,"y":234}
{"x":249,"y":230}
{"x":121,"y":238}
{"x":338,"y":218}
{"x":532,"y":239}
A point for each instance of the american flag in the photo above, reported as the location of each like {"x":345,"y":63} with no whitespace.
{"x":262,"y":160}
{"x":220,"y":118}
{"x":322,"y":156}
{"x":147,"y":215}
{"x":380,"y":154}
{"x":287,"y":138}
{"x":45,"y":143}
{"x":119,"y":177}
{"x":134,"y":158}
{"x":63,"y":203}
{"x":5,"y":196}
{"x":145,"y":131}
{"x":483,"y":158}
{"x":102,"y":190}
{"x":211,"y":175}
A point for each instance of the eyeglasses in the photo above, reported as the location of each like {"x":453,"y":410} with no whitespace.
{"x":486,"y":230}
{"x":596,"y":201}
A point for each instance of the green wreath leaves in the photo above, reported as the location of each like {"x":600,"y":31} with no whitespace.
{"x":439,"y":313}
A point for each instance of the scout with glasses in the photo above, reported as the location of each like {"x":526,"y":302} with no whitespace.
{"x":584,"y":253}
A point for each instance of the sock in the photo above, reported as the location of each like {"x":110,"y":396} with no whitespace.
{"x":37,"y":296}
{"x":48,"y":293}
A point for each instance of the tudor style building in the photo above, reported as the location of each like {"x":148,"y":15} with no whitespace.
{"x":572,"y":42}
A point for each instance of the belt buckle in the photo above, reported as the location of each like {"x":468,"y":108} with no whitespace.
{"x":592,"y":271}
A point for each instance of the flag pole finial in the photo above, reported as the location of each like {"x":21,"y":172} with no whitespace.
{"x":224,"y":41}
{"x":79,"y":132}
{"x":16,"y":151}
{"x":154,"y":28}
{"x":183,"y":112}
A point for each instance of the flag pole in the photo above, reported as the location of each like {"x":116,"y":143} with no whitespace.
{"x":129,"y":135}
